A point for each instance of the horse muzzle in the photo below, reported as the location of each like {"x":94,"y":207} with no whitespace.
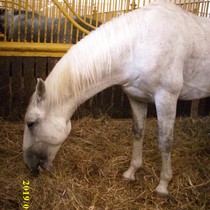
{"x":32,"y":161}
{"x":36,"y":156}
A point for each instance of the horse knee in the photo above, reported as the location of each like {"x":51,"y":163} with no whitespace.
{"x":165,"y":144}
{"x":137,"y":131}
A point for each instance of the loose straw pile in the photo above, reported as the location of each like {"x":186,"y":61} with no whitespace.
{"x":88,"y":168}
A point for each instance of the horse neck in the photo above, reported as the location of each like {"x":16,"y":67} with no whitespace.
{"x":107,"y":79}
{"x":76,"y":78}
{"x":93,"y":89}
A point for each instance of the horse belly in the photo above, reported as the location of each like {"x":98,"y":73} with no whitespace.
{"x":138,"y":94}
{"x":193,"y":90}
{"x":196,"y":80}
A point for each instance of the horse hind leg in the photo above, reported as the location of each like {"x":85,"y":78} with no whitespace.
{"x":139,"y":111}
{"x":166,"y":112}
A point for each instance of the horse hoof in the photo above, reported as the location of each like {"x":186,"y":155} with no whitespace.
{"x":162,"y":192}
{"x":128,"y":177}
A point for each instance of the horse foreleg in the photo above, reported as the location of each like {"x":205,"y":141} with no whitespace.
{"x":139,"y":111}
{"x":166,"y":112}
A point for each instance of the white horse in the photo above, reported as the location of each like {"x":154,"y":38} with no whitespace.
{"x":160,"y":53}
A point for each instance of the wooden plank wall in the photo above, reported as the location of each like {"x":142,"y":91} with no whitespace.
{"x":17,"y":83}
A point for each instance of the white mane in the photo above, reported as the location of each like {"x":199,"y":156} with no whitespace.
{"x":93,"y":58}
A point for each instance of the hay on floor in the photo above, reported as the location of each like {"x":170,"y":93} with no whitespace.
{"x":89,"y":166}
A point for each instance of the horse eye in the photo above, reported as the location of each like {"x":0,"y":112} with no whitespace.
{"x":30,"y":124}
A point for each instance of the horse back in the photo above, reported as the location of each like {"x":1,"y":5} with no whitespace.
{"x":172,"y":52}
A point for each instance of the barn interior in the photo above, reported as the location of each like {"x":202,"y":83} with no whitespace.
{"x":88,"y":169}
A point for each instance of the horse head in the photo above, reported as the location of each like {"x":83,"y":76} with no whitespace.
{"x":45,"y":131}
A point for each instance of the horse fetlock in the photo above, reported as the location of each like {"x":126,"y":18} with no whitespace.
{"x":166,"y":177}
{"x":136,"y":164}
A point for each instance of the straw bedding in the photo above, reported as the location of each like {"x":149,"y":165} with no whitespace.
{"x":89,"y":166}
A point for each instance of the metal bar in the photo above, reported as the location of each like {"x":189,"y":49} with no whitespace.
{"x":75,"y":14}
{"x":207,"y":9}
{"x":46,"y":22}
{"x":19,"y":14}
{"x":5,"y":23}
{"x":32,"y":22}
{"x":12,"y":24}
{"x":33,"y":49}
{"x":52,"y":23}
{"x":127,"y":6}
{"x":39,"y":21}
{"x":70,"y":18}
{"x":26,"y":21}
{"x":115,"y":8}
{"x":202,"y":8}
{"x":97,"y":11}
{"x":104,"y":16}
{"x":59,"y":27}
{"x":64,"y":33}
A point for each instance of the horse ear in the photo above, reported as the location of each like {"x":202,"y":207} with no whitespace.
{"x":40,"y":89}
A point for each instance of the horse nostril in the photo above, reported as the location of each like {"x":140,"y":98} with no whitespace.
{"x":46,"y":165}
